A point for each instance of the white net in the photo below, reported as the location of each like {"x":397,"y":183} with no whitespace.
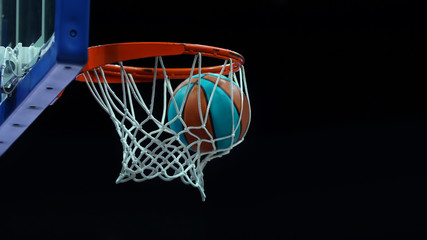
{"x":139,"y":113}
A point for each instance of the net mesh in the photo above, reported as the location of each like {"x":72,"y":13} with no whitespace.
{"x":139,"y":113}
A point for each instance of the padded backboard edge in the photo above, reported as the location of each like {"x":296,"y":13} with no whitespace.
{"x":51,"y":74}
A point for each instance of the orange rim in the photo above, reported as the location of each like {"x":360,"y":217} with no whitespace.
{"x":104,"y":55}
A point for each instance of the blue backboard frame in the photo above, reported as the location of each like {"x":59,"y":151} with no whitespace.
{"x":51,"y":74}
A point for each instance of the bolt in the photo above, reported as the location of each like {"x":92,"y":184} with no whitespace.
{"x":73,"y":33}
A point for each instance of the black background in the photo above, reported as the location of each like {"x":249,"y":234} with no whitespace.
{"x":336,"y":146}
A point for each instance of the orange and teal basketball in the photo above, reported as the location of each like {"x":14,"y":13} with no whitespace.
{"x":228,"y":112}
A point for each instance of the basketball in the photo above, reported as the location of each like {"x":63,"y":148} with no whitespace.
{"x":227,"y":113}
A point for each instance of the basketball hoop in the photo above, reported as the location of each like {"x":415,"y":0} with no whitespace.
{"x":151,"y":147}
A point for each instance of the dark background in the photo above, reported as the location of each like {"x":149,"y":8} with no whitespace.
{"x":336,"y":146}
